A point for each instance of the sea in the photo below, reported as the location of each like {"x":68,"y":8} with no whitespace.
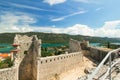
{"x":6,"y":48}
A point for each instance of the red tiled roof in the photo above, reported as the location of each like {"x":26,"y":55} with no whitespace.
{"x":5,"y":55}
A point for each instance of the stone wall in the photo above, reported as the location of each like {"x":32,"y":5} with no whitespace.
{"x":55,"y":65}
{"x":32,"y":67}
{"x":9,"y":73}
{"x":74,"y":46}
{"x":29,"y":51}
{"x":24,"y":42}
{"x":97,"y":53}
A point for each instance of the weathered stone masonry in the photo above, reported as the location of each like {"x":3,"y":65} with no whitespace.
{"x":55,"y":65}
{"x":28,"y":64}
{"x":9,"y":73}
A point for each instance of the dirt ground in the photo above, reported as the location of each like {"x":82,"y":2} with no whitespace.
{"x":78,"y":71}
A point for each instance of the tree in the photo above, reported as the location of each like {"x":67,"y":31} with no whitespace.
{"x":6,"y":63}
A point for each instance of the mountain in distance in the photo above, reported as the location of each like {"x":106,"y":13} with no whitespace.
{"x":57,"y":38}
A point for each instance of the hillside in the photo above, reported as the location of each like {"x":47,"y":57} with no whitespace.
{"x":56,"y":38}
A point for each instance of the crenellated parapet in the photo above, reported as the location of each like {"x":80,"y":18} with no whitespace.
{"x":29,"y":65}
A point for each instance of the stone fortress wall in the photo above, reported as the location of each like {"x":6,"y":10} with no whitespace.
{"x":9,"y":73}
{"x":74,"y":46}
{"x":27,"y":56}
{"x":25,"y":67}
{"x":29,"y":65}
{"x":98,"y":53}
{"x":55,"y":65}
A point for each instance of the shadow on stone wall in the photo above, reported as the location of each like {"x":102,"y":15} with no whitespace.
{"x":25,"y":68}
{"x":28,"y":65}
{"x":97,"y":54}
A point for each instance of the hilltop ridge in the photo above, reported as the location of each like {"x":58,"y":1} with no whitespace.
{"x":56,"y":38}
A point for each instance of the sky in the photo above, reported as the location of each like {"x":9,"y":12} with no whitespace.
{"x":75,"y":17}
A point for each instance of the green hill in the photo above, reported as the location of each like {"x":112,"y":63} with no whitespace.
{"x":56,"y":38}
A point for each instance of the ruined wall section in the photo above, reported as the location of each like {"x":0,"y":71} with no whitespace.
{"x":29,"y":65}
{"x":35,"y":49}
{"x":74,"y":46}
{"x":55,"y":65}
{"x":24,"y":42}
{"x":27,"y":56}
{"x":12,"y":73}
{"x":99,"y":53}
{"x":9,"y":73}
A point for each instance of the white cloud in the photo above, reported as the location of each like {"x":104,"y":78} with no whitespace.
{"x":53,"y":2}
{"x":15,"y":23}
{"x":10,"y":22}
{"x":80,"y":29}
{"x":83,"y":1}
{"x":64,"y":17}
{"x":29,"y":7}
{"x":112,"y":24}
{"x":87,"y":1}
{"x":58,"y":19}
{"x":98,"y":9}
{"x":109,"y":29}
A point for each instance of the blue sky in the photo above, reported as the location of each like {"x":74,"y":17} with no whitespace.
{"x":84,"y":17}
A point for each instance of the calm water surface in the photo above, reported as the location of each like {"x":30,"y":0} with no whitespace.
{"x":6,"y":48}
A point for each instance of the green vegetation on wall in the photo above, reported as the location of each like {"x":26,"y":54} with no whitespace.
{"x":51,"y":51}
{"x":6,"y":63}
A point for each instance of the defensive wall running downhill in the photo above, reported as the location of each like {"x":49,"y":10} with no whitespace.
{"x":97,"y":53}
{"x":29,"y":65}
